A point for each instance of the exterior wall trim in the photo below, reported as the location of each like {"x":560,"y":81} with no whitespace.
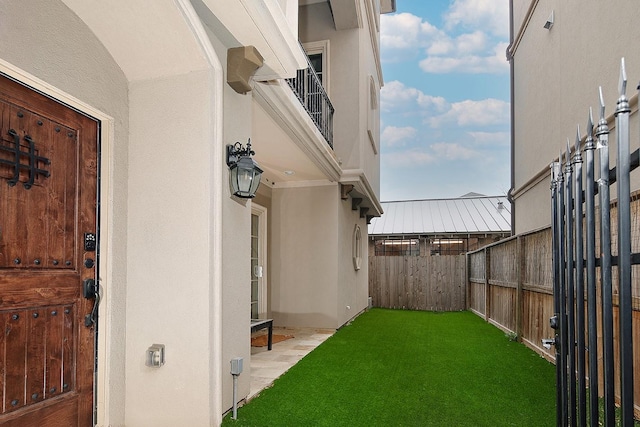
{"x":216,"y":230}
{"x":525,"y":23}
{"x":358,"y":178}
{"x":544,"y":173}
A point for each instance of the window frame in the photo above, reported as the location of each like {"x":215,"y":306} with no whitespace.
{"x":321,"y":47}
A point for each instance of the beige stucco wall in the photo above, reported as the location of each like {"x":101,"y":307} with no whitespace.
{"x":303,"y":261}
{"x":313,"y":281}
{"x":169,"y":288}
{"x":353,"y":285}
{"x":557,"y":74}
{"x":45,"y":39}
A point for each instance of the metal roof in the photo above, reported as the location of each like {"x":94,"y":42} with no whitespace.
{"x":465,"y":215}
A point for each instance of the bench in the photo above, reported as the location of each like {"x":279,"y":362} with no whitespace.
{"x":258,"y":324}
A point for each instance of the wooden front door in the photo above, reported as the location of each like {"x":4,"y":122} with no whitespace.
{"x":48,"y":204}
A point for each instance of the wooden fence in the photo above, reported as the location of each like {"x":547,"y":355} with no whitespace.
{"x":517,"y":294}
{"x":435,"y":283}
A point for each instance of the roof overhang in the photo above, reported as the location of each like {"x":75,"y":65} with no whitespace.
{"x":257,"y":23}
{"x":387,"y":6}
{"x":362,"y":190}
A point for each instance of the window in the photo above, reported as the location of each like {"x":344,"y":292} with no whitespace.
{"x":397,"y":247}
{"x":318,"y":53}
{"x":448,"y":246}
{"x":357,"y":248}
{"x":373,"y":116}
{"x":316,"y":63}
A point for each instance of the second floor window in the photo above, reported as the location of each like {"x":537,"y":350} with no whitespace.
{"x":316,"y":63}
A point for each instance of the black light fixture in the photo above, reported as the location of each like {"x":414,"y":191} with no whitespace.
{"x":245,"y":173}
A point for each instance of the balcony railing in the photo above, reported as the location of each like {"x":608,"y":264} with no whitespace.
{"x":309,"y":90}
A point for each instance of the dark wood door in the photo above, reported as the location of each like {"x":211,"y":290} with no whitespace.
{"x":48,"y":201}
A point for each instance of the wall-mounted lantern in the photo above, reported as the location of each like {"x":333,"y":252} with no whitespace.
{"x":245,"y":173}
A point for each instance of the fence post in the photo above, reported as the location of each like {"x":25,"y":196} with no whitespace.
{"x":579,"y":281}
{"x":592,"y":316}
{"x":556,"y":221}
{"x":467,"y":275}
{"x":602,"y":133}
{"x":487,"y":290}
{"x":520,"y":270}
{"x":562,"y":292}
{"x":570,"y":287}
{"x":624,"y":252}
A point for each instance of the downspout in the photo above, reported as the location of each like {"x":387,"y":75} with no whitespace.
{"x":216,"y":185}
{"x":512,"y":120}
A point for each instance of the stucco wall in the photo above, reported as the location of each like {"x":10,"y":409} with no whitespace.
{"x":168,"y":292}
{"x":304,"y":262}
{"x":353,"y":286}
{"x":45,"y":39}
{"x":557,"y":74}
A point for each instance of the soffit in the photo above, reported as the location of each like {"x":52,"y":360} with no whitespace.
{"x":261,"y":24}
{"x":147,"y":39}
{"x":387,"y":6}
{"x":345,"y":14}
{"x":276,"y":152}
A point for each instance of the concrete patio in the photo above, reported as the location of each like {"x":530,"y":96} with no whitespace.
{"x":267,"y":365}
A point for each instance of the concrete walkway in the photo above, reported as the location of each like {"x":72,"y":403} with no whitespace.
{"x":266,"y":365}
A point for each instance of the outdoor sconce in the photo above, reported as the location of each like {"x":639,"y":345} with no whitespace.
{"x":245,"y":173}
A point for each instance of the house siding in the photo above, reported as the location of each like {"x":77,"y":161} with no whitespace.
{"x":578,"y":54}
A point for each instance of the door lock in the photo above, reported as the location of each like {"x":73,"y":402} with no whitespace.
{"x":89,"y":288}
{"x":90,"y":242}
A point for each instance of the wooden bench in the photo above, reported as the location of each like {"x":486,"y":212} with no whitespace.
{"x":258,"y":324}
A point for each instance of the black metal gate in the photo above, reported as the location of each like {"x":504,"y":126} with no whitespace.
{"x":578,"y":263}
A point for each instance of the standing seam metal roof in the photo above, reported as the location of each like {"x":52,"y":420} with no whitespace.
{"x":465,"y":215}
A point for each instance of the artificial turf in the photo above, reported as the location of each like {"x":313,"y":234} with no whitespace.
{"x":410,"y":368}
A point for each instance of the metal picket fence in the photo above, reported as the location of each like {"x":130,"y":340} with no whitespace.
{"x":582,"y":267}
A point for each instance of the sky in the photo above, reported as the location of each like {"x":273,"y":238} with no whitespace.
{"x":444,"y":106}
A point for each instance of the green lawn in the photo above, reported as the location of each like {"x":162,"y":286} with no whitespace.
{"x":409,"y":368}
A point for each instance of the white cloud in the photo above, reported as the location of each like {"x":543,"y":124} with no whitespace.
{"x":493,"y":139}
{"x":395,"y":96}
{"x":474,"y":51}
{"x":462,"y":62}
{"x":452,"y":151}
{"x":408,"y":158}
{"x":397,"y":136}
{"x":490,"y":15}
{"x":474,"y":113}
{"x":405,"y":31}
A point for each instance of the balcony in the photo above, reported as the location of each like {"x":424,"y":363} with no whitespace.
{"x":309,"y":90}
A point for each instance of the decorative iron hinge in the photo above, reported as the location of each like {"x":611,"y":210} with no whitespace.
{"x":31,"y":155}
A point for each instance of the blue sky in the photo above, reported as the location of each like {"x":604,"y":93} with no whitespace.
{"x":444,"y":107}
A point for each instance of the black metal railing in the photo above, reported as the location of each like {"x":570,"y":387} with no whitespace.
{"x":309,"y":90}
{"x":576,"y":257}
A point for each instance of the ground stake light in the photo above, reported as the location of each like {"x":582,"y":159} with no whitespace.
{"x":245,"y":173}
